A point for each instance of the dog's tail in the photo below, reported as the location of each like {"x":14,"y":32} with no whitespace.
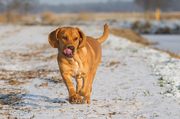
{"x":105,"y":34}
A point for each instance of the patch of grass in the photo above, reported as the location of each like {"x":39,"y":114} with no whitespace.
{"x":85,"y":16}
{"x":174,"y":55}
{"x":111,"y":114}
{"x":37,"y":52}
{"x":161,"y":82}
{"x":10,"y":17}
{"x":178,"y":87}
{"x":15,"y":82}
{"x":146,"y":93}
{"x":113,"y":63}
{"x":51,"y":18}
{"x":130,"y":35}
{"x":12,"y":75}
{"x":10,"y":99}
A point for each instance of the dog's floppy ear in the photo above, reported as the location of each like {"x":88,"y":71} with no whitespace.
{"x":82,"y":41}
{"x":52,"y":38}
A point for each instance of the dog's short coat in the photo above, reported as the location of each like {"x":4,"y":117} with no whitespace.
{"x":78,"y":57}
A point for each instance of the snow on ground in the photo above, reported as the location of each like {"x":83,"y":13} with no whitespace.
{"x":133,"y":81}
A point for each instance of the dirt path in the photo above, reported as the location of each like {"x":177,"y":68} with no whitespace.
{"x":131,"y":83}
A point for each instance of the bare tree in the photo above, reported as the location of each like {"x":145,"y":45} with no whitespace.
{"x":154,"y":4}
{"x":1,"y":6}
{"x":28,"y":5}
{"x":18,"y":7}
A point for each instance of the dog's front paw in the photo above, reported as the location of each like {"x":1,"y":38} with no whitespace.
{"x":76,"y":99}
{"x":82,"y":92}
{"x":87,"y":100}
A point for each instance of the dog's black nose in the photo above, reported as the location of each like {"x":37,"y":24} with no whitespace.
{"x":71,"y":47}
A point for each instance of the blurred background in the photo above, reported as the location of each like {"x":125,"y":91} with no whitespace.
{"x":155,"y":20}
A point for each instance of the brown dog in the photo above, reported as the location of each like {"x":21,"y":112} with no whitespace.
{"x":78,"y":57}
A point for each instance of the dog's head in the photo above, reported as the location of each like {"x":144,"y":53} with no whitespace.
{"x":68,"y":40}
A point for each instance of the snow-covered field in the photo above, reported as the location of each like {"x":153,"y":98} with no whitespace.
{"x":133,"y":81}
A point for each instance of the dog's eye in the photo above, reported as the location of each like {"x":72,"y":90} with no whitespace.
{"x":64,"y":38}
{"x":76,"y":39}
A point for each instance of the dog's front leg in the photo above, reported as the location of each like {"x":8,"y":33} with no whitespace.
{"x":73,"y":96}
{"x":84,"y":88}
{"x":79,"y":82}
{"x":87,"y":85}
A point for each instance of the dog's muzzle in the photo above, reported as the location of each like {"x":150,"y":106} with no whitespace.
{"x":69,"y":51}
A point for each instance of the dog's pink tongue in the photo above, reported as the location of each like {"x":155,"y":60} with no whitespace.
{"x":68,"y":51}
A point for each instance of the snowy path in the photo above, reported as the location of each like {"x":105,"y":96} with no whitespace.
{"x":133,"y":81}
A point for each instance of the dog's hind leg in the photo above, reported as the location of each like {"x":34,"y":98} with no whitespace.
{"x":86,"y":92}
{"x":89,"y":90}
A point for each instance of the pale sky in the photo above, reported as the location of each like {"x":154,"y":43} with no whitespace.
{"x":75,"y":1}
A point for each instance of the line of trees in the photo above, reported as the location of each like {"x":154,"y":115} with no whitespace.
{"x":20,"y":6}
{"x":149,"y":5}
{"x":34,"y":6}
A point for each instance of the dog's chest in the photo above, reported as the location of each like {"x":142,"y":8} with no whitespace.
{"x":76,"y":68}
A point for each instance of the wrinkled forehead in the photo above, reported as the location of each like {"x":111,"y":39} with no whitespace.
{"x":73,"y":32}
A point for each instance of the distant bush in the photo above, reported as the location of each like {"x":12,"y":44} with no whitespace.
{"x":83,"y":16}
{"x":49,"y":18}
